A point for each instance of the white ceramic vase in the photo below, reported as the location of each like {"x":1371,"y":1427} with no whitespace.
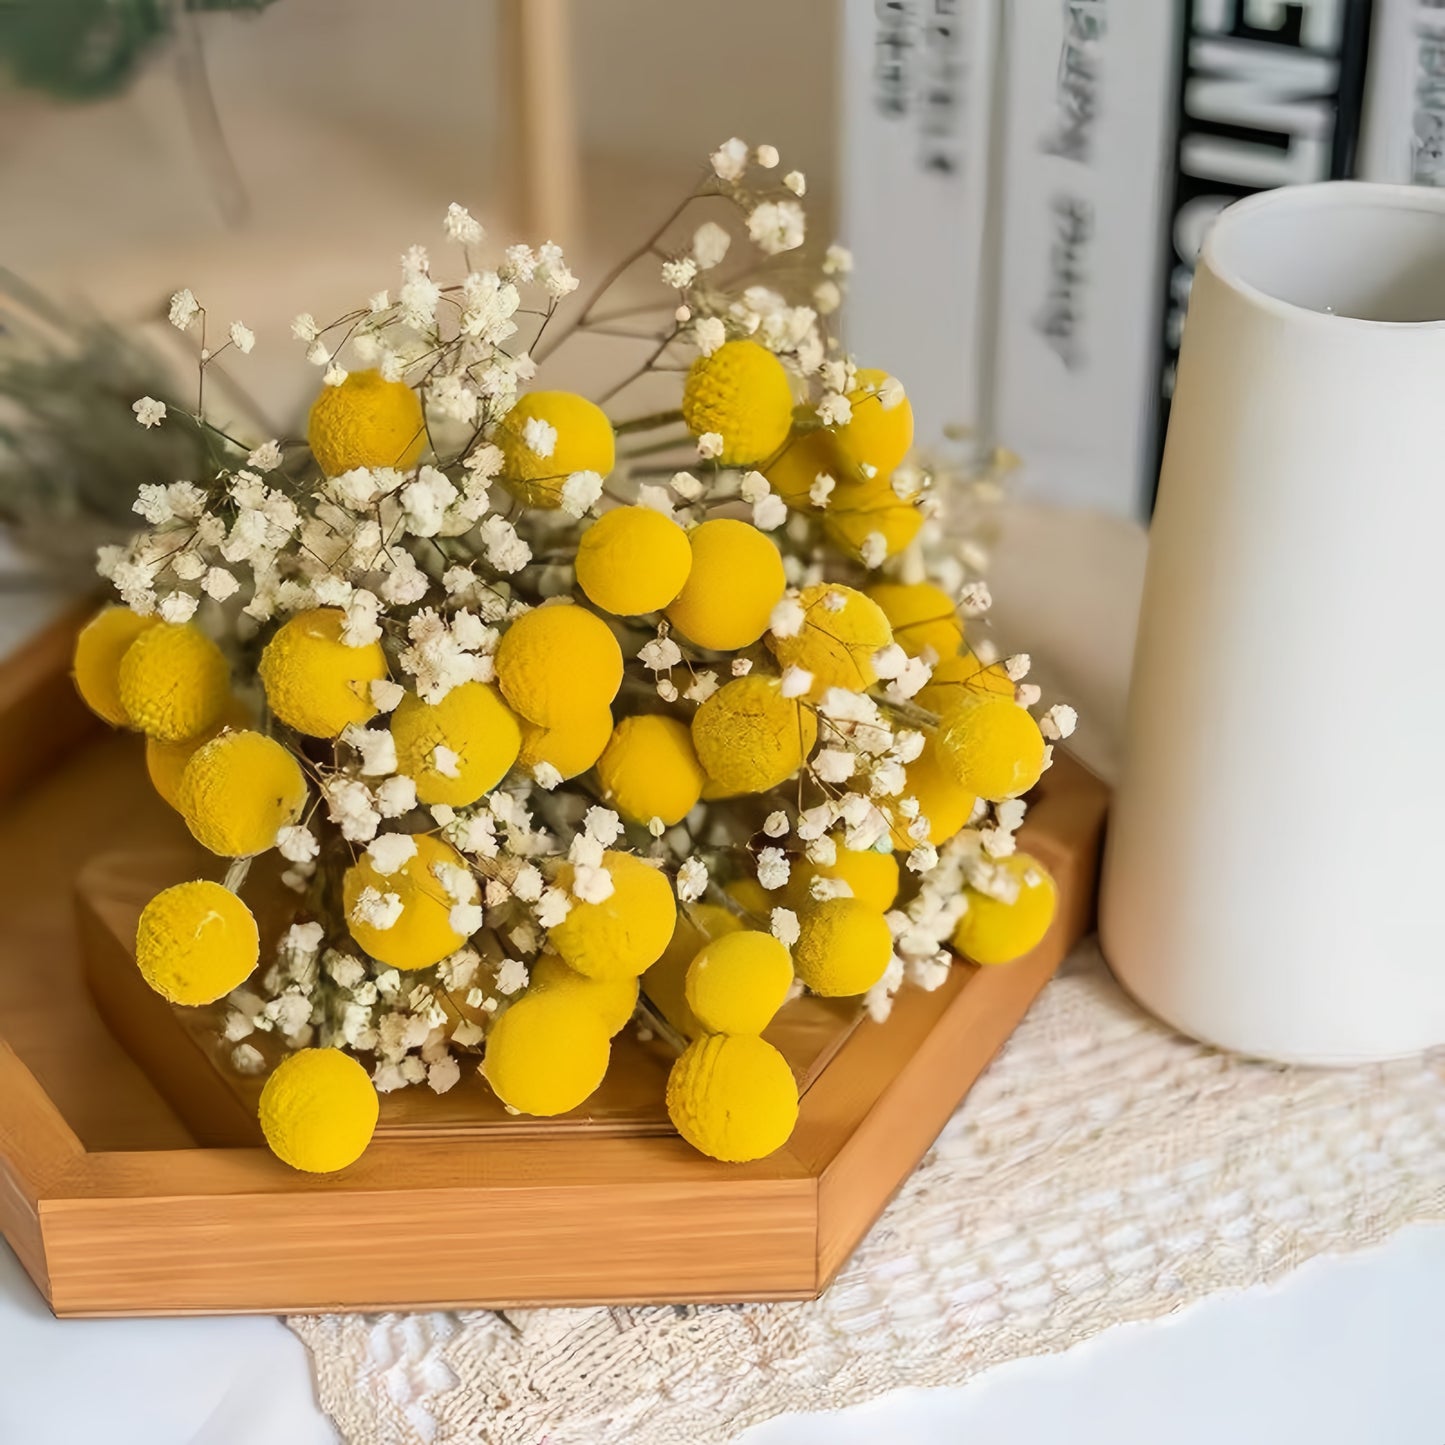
{"x":1275,"y":875}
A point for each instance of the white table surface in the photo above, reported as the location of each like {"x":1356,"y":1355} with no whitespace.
{"x":1344,"y":1351}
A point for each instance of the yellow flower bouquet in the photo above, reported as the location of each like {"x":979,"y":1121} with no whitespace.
{"x":561,"y":722}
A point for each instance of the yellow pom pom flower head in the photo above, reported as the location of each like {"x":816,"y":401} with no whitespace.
{"x":367,"y":421}
{"x":620,"y":935}
{"x":173,"y":682}
{"x":843,"y":947}
{"x":318,"y":1110}
{"x":633,"y":560}
{"x":941,"y":798}
{"x":650,"y":770}
{"x":880,"y":431}
{"x":871,"y":528}
{"x":478,"y":737}
{"x":559,"y":663}
{"x":749,"y":737}
{"x":842,"y":629}
{"x":314,"y":681}
{"x":614,"y":999}
{"x":872,"y":876}
{"x":735,"y":581}
{"x":546,"y":437}
{"x":238,"y":791}
{"x":571,"y":747}
{"x":1000,"y":929}
{"x":992,"y":747}
{"x":958,"y":680}
{"x":166,"y":762}
{"x":732,"y":1097}
{"x":665,"y":982}
{"x":738,"y":982}
{"x":921,"y":615}
{"x":99,"y":647}
{"x":414,"y":931}
{"x":196,"y":942}
{"x":547,"y":1053}
{"x":808,"y":455}
{"x":741,"y":394}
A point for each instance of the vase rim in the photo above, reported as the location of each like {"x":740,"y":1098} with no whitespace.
{"x":1320,"y":197}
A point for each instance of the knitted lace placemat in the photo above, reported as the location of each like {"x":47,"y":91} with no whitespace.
{"x":1103,"y":1170}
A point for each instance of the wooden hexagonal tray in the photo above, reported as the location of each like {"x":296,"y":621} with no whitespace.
{"x":130,"y":1177}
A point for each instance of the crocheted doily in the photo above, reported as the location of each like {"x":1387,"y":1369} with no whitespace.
{"x":1103,"y":1170}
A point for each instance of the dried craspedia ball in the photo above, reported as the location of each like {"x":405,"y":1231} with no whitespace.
{"x":650,"y":770}
{"x":665,"y":982}
{"x":620,"y":935}
{"x":238,"y":791}
{"x":871,"y":528}
{"x":843,"y":947}
{"x":318,"y":1110}
{"x":196,"y":942}
{"x":941,"y":799}
{"x":366,"y":422}
{"x":880,"y":431}
{"x":571,"y":747}
{"x":992,"y":747}
{"x":922,"y":616}
{"x":456,"y":749}
{"x":841,"y":631}
{"x":958,"y":680}
{"x":872,"y":876}
{"x":414,"y":931}
{"x":633,"y":560}
{"x":174,"y":682}
{"x":1011,"y":919}
{"x":741,"y":394}
{"x":314,"y":681}
{"x":735,"y":581}
{"x":99,"y":647}
{"x":737,"y":983}
{"x":559,"y":663}
{"x":749,"y":737}
{"x":808,"y":456}
{"x":547,"y":1053}
{"x":546,"y":437}
{"x":732,"y":1097}
{"x":613,"y":999}
{"x":166,"y":762}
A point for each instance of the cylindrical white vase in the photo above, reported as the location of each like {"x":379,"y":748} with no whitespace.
{"x":1275,"y":875}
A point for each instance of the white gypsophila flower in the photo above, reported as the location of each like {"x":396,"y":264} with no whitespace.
{"x":769,"y":512}
{"x":767,"y":156}
{"x":822,"y":851}
{"x":835,"y":409}
{"x":702,"y":687}
{"x":445,"y":761}
{"x":692,"y":880}
{"x":834,"y":765}
{"x":873,"y":550}
{"x":710,"y":244}
{"x":660,"y":654}
{"x":297,"y":844}
{"x":1017,"y":666}
{"x":375,"y":909}
{"x":975,"y":599}
{"x":391,"y":851}
{"x":154,"y":504}
{"x":188,"y":567}
{"x":465,"y":918}
{"x":553,"y":272}
{"x":585,"y":850}
{"x":889,"y":661}
{"x":777,"y":226}
{"x":656,"y":499}
{"x":461,"y":226}
{"x":184,"y":309}
{"x":686,"y":486}
{"x":546,"y":776}
{"x":708,"y":333}
{"x":266,"y":457}
{"x":396,"y":796}
{"x":580,"y":492}
{"x":776,"y":825}
{"x":773,"y":868}
{"x":822,"y":489}
{"x":1059,"y":721}
{"x":488,"y":305}
{"x":741,"y":666}
{"x":552,"y":907}
{"x":591,"y":884}
{"x":667,"y":689}
{"x":730,"y":159}
{"x":505,"y":550}
{"x":1026,"y":694}
{"x":888,"y":780}
{"x":710,"y":445}
{"x":449,"y":396}
{"x":149,"y":412}
{"x":417,"y":302}
{"x":335,"y":375}
{"x":442,"y":1074}
{"x":318,"y":354}
{"x":177,"y":607}
{"x":796,"y":182}
{"x":519,"y":263}
{"x":425,"y":501}
{"x":602,"y":824}
{"x":242,"y":338}
{"x":349,"y":805}
{"x":783,"y":924}
{"x":304,"y":327}
{"x":838,"y":260}
{"x":512,"y":976}
{"x":796,"y":682}
{"x":679,"y":274}
{"x":827,"y":297}
{"x":219,"y":584}
{"x":910,"y":681}
{"x":787,"y":618}
{"x":385,"y":694}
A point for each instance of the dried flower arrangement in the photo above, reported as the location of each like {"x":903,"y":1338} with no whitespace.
{"x":551,"y":739}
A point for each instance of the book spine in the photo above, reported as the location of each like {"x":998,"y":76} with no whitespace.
{"x":1403,"y":139}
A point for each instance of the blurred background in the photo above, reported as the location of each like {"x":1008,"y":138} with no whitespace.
{"x":1024,"y":182}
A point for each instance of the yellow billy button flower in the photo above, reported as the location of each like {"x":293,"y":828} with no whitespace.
{"x":737,"y":983}
{"x":426,"y":888}
{"x":992,"y":747}
{"x":921,"y":615}
{"x":741,"y":394}
{"x":808,"y":456}
{"x":546,"y":437}
{"x":318,"y":1110}
{"x":735,"y":581}
{"x":238,"y":791}
{"x":619,"y":936}
{"x":871,"y":527}
{"x":614,"y":999}
{"x":196,"y":942}
{"x":749,"y":737}
{"x":880,"y":431}
{"x":477,"y":733}
{"x":997,"y":931}
{"x":166,"y":762}
{"x":873,"y":877}
{"x":843,"y":947}
{"x":366,"y":422}
{"x":314,"y":681}
{"x":842,"y":629}
{"x":173,"y":682}
{"x":547,"y":1053}
{"x":633,"y":560}
{"x":558,"y":664}
{"x":958,"y":680}
{"x":650,"y":770}
{"x":99,"y":647}
{"x":732,"y":1097}
{"x":665,"y":983}
{"x":941,"y":798}
{"x":572,"y":747}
